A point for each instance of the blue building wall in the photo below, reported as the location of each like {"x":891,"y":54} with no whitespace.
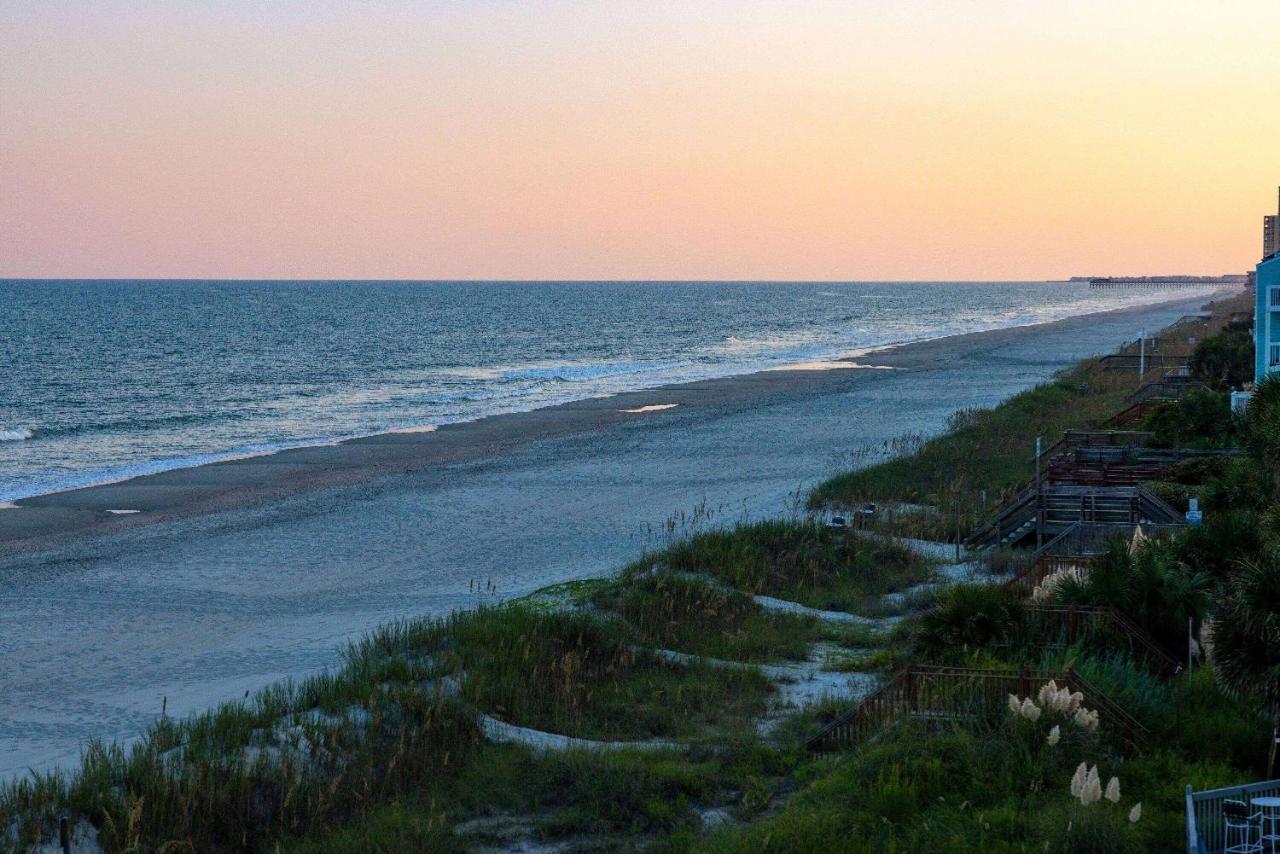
{"x":1267,"y":318}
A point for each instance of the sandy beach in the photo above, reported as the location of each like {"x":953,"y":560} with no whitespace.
{"x":229,"y":576}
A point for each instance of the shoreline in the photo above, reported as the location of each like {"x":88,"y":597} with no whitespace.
{"x":51,"y":520}
{"x":89,"y":475}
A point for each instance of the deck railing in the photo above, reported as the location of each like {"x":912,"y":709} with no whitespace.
{"x":1206,"y":831}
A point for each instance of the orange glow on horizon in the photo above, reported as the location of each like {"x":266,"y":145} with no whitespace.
{"x":915,"y":140}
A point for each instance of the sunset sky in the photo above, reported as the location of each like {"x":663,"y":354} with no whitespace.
{"x":635,"y":140}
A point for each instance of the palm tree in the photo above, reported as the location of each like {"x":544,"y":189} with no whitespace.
{"x":1246,"y":636}
{"x":1148,"y":583}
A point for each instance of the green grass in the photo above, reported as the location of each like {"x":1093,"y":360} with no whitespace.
{"x":800,"y":561}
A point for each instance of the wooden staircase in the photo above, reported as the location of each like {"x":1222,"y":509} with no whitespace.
{"x":1055,"y":508}
{"x":1090,"y":476}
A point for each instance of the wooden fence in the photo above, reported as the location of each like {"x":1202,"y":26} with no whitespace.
{"x":940,"y":694}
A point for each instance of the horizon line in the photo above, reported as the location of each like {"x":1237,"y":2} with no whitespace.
{"x":734,"y":280}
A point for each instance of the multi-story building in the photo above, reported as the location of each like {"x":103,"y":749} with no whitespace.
{"x":1267,"y":318}
{"x":1271,"y":234}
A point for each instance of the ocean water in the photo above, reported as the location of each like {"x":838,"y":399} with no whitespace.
{"x":101,"y":380}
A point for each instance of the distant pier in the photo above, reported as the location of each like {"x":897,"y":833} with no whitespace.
{"x":1165,"y":281}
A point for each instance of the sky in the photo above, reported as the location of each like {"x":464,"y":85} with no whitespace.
{"x":866,"y":140}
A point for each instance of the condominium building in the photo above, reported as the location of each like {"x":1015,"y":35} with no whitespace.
{"x":1267,"y":318}
{"x":1271,"y":234}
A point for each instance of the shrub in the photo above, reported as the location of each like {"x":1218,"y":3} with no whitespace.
{"x":1201,"y":419}
{"x":1151,"y":584}
{"x":971,"y":616}
{"x":1227,"y":358}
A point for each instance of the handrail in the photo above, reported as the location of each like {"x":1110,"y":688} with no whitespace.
{"x":1165,"y":663}
{"x":1149,"y":644}
{"x":1130,"y":414}
{"x":866,"y":703}
{"x":1071,"y":530}
{"x":1194,"y":844}
{"x":1159,"y":504}
{"x":1100,"y":701}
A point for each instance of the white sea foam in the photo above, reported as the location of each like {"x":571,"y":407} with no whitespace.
{"x":20,"y":434}
{"x":573,"y":373}
{"x":653,"y":407}
{"x":835,"y":365}
{"x":419,"y":428}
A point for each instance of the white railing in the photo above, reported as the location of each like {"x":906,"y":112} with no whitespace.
{"x":1206,"y":832}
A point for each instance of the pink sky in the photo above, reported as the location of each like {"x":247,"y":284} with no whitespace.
{"x":894,"y":140}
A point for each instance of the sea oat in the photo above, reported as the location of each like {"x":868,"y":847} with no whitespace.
{"x":1078,"y":779}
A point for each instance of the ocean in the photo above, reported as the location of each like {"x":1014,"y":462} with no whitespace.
{"x":104,"y":380}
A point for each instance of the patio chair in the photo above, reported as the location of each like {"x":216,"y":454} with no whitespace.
{"x":1243,"y":829}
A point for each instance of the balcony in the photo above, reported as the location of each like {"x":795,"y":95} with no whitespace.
{"x":1206,"y":830}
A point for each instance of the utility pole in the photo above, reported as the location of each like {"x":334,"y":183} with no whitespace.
{"x":1142,"y":356}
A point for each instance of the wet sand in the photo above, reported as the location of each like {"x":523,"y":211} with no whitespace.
{"x":235,"y":574}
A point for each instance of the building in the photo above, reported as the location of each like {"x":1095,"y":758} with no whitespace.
{"x":1267,"y":318}
{"x":1271,"y":234}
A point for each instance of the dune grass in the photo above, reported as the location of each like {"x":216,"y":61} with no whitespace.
{"x":240,"y":778}
{"x":341,"y":750}
{"x":668,"y":610}
{"x":507,"y":793}
{"x":800,"y":561}
{"x":572,"y":673}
